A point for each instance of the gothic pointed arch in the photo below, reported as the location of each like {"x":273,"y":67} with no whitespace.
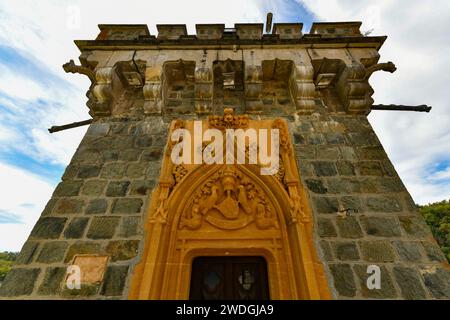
{"x":229,"y":209}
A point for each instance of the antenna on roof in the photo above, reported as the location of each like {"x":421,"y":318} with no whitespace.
{"x":269,"y":22}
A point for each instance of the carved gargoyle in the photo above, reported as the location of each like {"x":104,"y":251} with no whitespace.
{"x":386,"y":66}
{"x":73,"y":68}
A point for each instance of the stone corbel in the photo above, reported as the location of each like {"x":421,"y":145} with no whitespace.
{"x":152,"y":91}
{"x":253,"y":88}
{"x":304,"y":89}
{"x":354,"y":90}
{"x":102,"y":92}
{"x":203,"y":90}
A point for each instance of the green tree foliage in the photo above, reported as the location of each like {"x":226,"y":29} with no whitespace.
{"x":437,"y":216}
{"x":6,"y":261}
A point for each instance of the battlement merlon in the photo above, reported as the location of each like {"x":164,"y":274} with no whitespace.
{"x":246,"y":35}
{"x":327,"y":68}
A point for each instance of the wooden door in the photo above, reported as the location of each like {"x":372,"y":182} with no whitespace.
{"x":230,"y":278}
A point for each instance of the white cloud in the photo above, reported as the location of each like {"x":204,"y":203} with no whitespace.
{"x":24,"y":195}
{"x":43,"y":32}
{"x":418,"y":44}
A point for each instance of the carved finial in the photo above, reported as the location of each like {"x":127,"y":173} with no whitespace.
{"x":229,"y":120}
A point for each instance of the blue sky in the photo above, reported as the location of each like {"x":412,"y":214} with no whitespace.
{"x":35,"y":93}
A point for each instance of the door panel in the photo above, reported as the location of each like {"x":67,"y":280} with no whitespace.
{"x":231,"y":278}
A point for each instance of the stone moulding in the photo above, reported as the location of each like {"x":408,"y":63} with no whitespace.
{"x":209,"y":210}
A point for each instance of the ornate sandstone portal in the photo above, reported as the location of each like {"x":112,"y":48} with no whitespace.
{"x":229,"y":210}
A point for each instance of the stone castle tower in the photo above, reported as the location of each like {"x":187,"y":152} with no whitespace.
{"x":138,"y":226}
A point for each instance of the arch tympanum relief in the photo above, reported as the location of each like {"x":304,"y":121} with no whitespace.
{"x":229,"y":210}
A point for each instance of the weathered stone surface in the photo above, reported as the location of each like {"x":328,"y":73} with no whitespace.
{"x":305,"y":152}
{"x":88,"y":171}
{"x":98,"y":129}
{"x":335,"y":138}
{"x":52,"y":252}
{"x":82,"y":247}
{"x":437,"y":280}
{"x":70,"y":172}
{"x":127,"y":205}
{"x":414,"y":226}
{"x":345,"y":168}
{"x":362,"y":139}
{"x":144,"y":141}
{"x":27,"y":253}
{"x":326,"y":204}
{"x":117,"y":188}
{"x":370,"y":185}
{"x":348,"y":153}
{"x":68,"y":188}
{"x":49,"y":207}
{"x":328,"y":152}
{"x":409,"y":282}
{"x":19,"y":282}
{"x":113,"y":170}
{"x":136,"y":170}
{"x":130,"y":155}
{"x":327,"y":253}
{"x":48,"y":228}
{"x":369,"y":168}
{"x":371,"y":153}
{"x":434,"y":252}
{"x":152,"y":154}
{"x":122,"y":249}
{"x":114,"y":282}
{"x":351,"y":202}
{"x":324,"y":168}
{"x":110,"y":155}
{"x":343,"y":279}
{"x":326,"y":228}
{"x":383,"y":204}
{"x":389,"y":185}
{"x":94,"y":187}
{"x":315,"y":138}
{"x":377,"y":251}
{"x":408,"y":250}
{"x":68,"y":206}
{"x":76,"y":227}
{"x":346,"y":251}
{"x":52,"y":282}
{"x":141,"y":187}
{"x":387,"y":290}
{"x":381,"y":226}
{"x":86,"y":290}
{"x":87,"y":155}
{"x":316,"y":186}
{"x":97,"y":206}
{"x":299,"y":138}
{"x":119,"y":128}
{"x":388,"y":168}
{"x":130,"y":226}
{"x":123,"y":142}
{"x":103,"y":227}
{"x":349,"y":228}
{"x":343,"y":185}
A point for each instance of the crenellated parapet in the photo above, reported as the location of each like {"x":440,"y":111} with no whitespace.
{"x":286,"y":71}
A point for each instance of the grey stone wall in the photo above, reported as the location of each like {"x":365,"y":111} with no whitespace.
{"x":98,"y":207}
{"x":344,"y":166}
